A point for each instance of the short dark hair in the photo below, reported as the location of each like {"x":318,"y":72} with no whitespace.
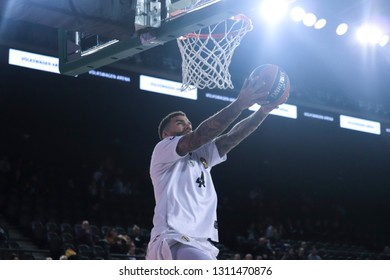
{"x":164,"y":122}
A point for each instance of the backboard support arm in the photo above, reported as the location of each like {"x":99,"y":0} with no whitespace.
{"x":149,"y":38}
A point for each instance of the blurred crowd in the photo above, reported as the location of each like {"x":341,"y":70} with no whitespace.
{"x":101,"y":210}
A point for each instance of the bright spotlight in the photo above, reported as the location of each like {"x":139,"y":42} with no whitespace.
{"x":369,"y":34}
{"x":309,"y":19}
{"x":342,"y":29}
{"x":274,"y":10}
{"x":297,"y":14}
{"x":320,"y":23}
{"x":385,"y":39}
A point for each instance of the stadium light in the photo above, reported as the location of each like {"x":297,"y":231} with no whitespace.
{"x":342,"y":29}
{"x":369,"y":34}
{"x":273,"y":11}
{"x":297,"y":14}
{"x":320,"y":23}
{"x":384,"y":41}
{"x":309,"y":19}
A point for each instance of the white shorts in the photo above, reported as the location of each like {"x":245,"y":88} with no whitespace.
{"x":159,"y":248}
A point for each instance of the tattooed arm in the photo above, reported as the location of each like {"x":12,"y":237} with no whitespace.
{"x":226,"y":142}
{"x":216,"y":124}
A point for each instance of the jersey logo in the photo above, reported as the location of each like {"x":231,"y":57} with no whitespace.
{"x":204,"y":162}
{"x":185,"y":238}
{"x":171,"y":138}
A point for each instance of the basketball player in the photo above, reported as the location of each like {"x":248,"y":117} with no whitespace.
{"x":185,"y":218}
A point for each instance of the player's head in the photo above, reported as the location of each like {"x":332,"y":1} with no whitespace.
{"x":174,"y":124}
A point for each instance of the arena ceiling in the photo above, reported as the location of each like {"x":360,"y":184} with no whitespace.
{"x":328,"y":70}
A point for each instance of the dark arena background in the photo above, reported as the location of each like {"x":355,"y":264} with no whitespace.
{"x":77,"y":149}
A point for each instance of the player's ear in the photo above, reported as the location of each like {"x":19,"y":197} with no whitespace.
{"x":165,"y":133}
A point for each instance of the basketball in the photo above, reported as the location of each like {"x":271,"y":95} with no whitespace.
{"x":276,"y":82}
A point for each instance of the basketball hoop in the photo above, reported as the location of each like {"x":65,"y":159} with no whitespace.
{"x":207,"y":53}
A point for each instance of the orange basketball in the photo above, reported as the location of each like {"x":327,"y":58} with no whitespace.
{"x":276,"y":81}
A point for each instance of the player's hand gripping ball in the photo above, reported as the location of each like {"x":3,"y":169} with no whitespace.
{"x":276,"y":82}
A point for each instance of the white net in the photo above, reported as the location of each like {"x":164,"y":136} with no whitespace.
{"x":206,"y":55}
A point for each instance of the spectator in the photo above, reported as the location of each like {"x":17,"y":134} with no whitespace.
{"x":137,"y":236}
{"x":84,"y":235}
{"x":248,"y":256}
{"x":263,"y":248}
{"x":313,"y":255}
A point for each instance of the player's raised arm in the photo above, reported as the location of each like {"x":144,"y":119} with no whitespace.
{"x":209,"y":129}
{"x":278,"y":82}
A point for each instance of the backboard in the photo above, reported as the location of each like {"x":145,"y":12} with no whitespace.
{"x":154,"y":27}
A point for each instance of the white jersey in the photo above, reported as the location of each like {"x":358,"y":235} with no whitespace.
{"x":186,"y":200}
